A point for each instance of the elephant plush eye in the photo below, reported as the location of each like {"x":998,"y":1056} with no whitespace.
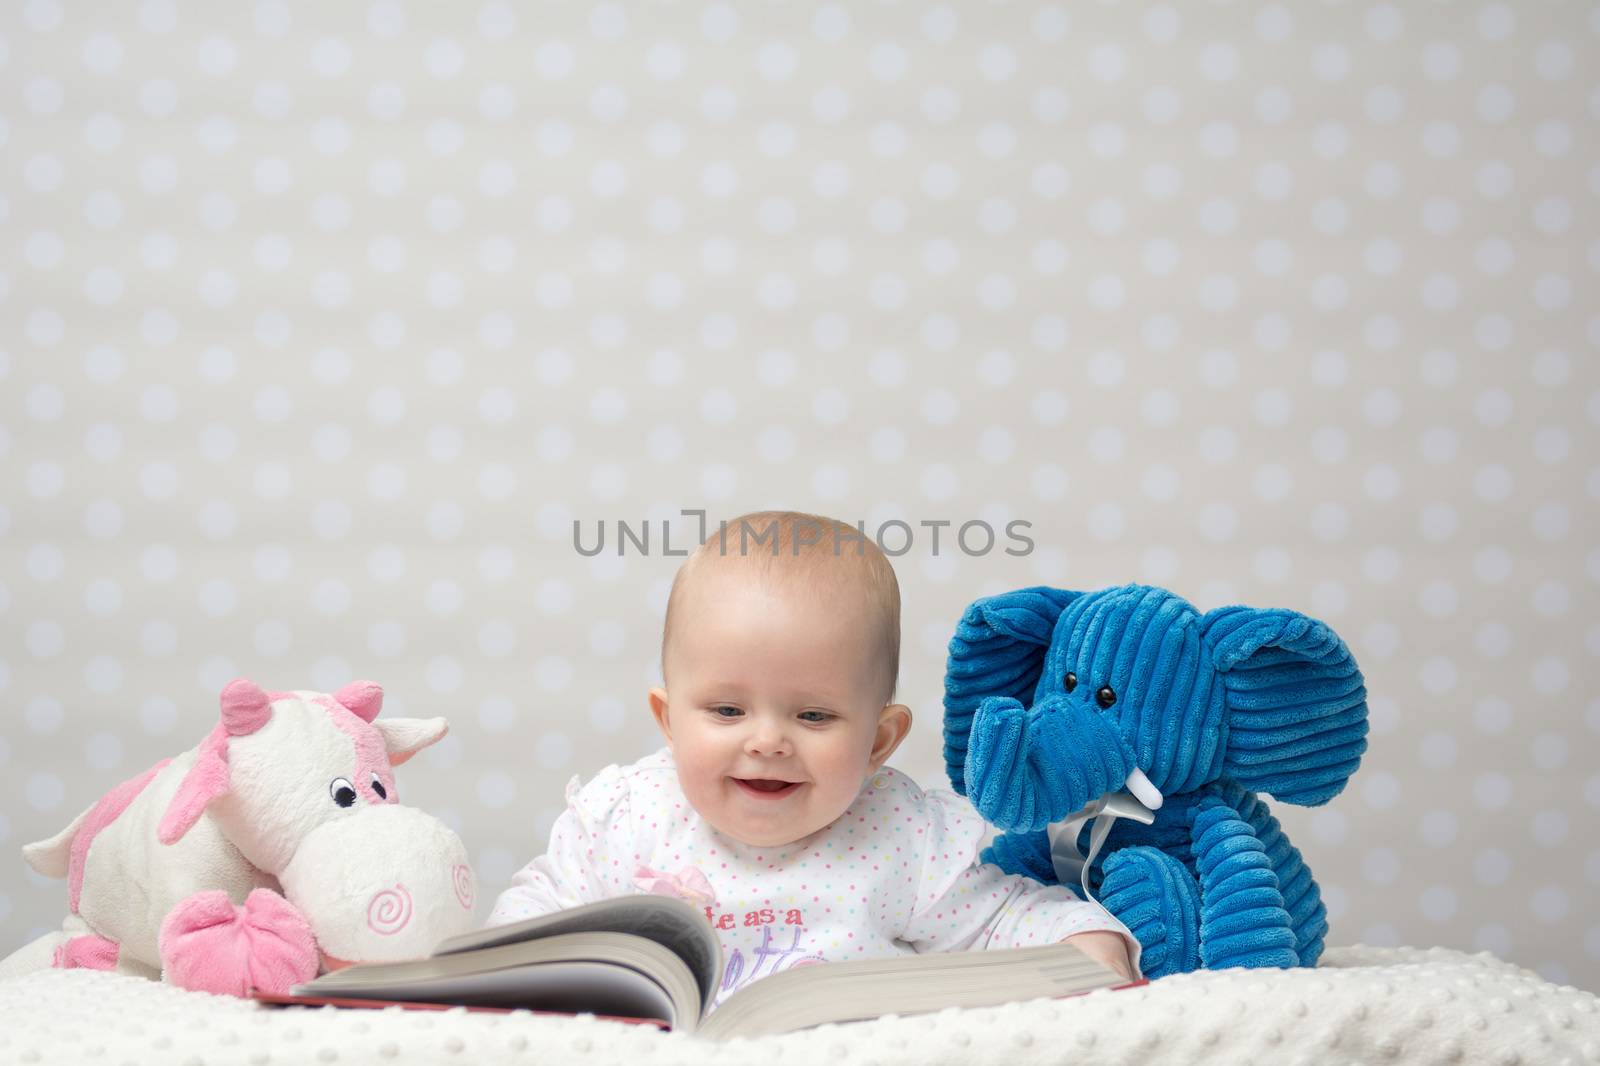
{"x":343,"y":793}
{"x":377,"y":786}
{"x":1069,"y":682}
{"x":1104,"y":696}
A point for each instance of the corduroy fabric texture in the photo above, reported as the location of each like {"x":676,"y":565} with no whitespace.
{"x":1052,"y":697}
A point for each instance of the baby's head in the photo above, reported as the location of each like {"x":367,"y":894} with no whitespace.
{"x":779,"y":659}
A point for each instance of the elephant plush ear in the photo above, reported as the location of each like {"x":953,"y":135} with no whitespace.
{"x":998,"y":650}
{"x":1295,"y":700}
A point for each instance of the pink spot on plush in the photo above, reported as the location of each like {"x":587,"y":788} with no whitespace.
{"x":372,"y":756}
{"x":86,"y":953}
{"x":206,"y":780}
{"x":104,"y":813}
{"x":389,"y":910}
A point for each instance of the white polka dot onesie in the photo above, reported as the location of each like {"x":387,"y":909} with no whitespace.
{"x":898,"y":872}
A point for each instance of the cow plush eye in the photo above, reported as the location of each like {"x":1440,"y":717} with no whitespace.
{"x":342,"y":791}
{"x":1069,"y":682}
{"x":1105,"y":697}
{"x":377,"y":786}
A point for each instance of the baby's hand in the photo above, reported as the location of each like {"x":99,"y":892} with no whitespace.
{"x":1104,"y":946}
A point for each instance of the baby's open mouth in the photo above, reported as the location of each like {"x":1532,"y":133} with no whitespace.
{"x":766,"y":786}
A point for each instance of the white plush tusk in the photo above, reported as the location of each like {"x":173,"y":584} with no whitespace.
{"x":1143,"y":790}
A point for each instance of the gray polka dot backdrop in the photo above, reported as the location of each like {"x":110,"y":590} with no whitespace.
{"x":322,"y":324}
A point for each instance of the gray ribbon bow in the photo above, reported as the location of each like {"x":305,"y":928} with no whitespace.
{"x":1071,"y":865}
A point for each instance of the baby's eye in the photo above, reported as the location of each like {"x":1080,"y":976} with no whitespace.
{"x":821,"y":716}
{"x":733,"y":712}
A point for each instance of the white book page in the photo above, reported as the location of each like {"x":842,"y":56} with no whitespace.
{"x":573,"y":987}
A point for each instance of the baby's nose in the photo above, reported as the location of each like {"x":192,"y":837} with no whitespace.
{"x":767,"y":742}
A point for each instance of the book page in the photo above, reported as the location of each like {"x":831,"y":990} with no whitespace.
{"x":574,"y":987}
{"x":670,"y":922}
{"x":904,"y":984}
{"x":441,"y":978}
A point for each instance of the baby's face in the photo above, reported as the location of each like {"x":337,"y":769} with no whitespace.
{"x":775,"y":707}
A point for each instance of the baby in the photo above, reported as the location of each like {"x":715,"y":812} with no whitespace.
{"x":770,"y":807}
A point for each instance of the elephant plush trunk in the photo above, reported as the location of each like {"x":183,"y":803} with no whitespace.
{"x":1029,"y":767}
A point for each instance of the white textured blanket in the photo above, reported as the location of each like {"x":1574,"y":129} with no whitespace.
{"x":1362,"y":1005}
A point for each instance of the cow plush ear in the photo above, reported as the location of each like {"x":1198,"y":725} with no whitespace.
{"x":364,"y":699}
{"x":404,"y":737}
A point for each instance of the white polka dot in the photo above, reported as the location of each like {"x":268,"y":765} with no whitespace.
{"x":103,"y":674}
{"x":331,"y":596}
{"x":1381,"y":639}
{"x":44,"y":791}
{"x":1438,"y":674}
{"x":1380,"y":866}
{"x":44,"y":716}
{"x":1551,"y":521}
{"x":1492,"y":790}
{"x":830,"y":406}
{"x":1438,"y":903}
{"x":608,"y":638}
{"x":1549,"y":827}
{"x":938,"y":482}
{"x":1158,"y":565}
{"x":1550,"y":675}
{"x":496,"y":790}
{"x":1492,"y":715}
{"x":497,"y":714}
{"x":1439,"y":828}
{"x":1491,"y":866}
{"x":102,"y":519}
{"x":103,"y":597}
{"x":1494,"y":939}
{"x":1438,"y":750}
{"x":887,"y":445}
{"x":1549,"y":904}
{"x":552,"y":673}
{"x":158,"y":715}
{"x":1492,"y":482}
{"x":1381,"y":564}
{"x":1551,"y":599}
{"x":607,"y":714}
{"x":996,"y":444}
{"x":497,"y":639}
{"x":443,"y":596}
{"x":776,"y":61}
{"x":553,"y":751}
{"x":1380,"y":789}
{"x":386,"y":563}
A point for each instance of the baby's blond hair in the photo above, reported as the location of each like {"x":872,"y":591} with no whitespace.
{"x":808,"y":550}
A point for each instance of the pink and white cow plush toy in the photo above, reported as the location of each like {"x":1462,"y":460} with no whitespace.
{"x":178,"y":872}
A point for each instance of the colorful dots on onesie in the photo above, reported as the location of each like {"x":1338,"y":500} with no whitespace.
{"x":907,"y":876}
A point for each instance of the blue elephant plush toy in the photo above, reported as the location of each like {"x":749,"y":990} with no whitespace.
{"x":1120,"y":737}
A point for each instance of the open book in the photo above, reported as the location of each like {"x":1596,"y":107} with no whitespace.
{"x":656,"y":958}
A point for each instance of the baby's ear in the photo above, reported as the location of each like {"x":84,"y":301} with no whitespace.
{"x":658,"y":708}
{"x":894,"y":723}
